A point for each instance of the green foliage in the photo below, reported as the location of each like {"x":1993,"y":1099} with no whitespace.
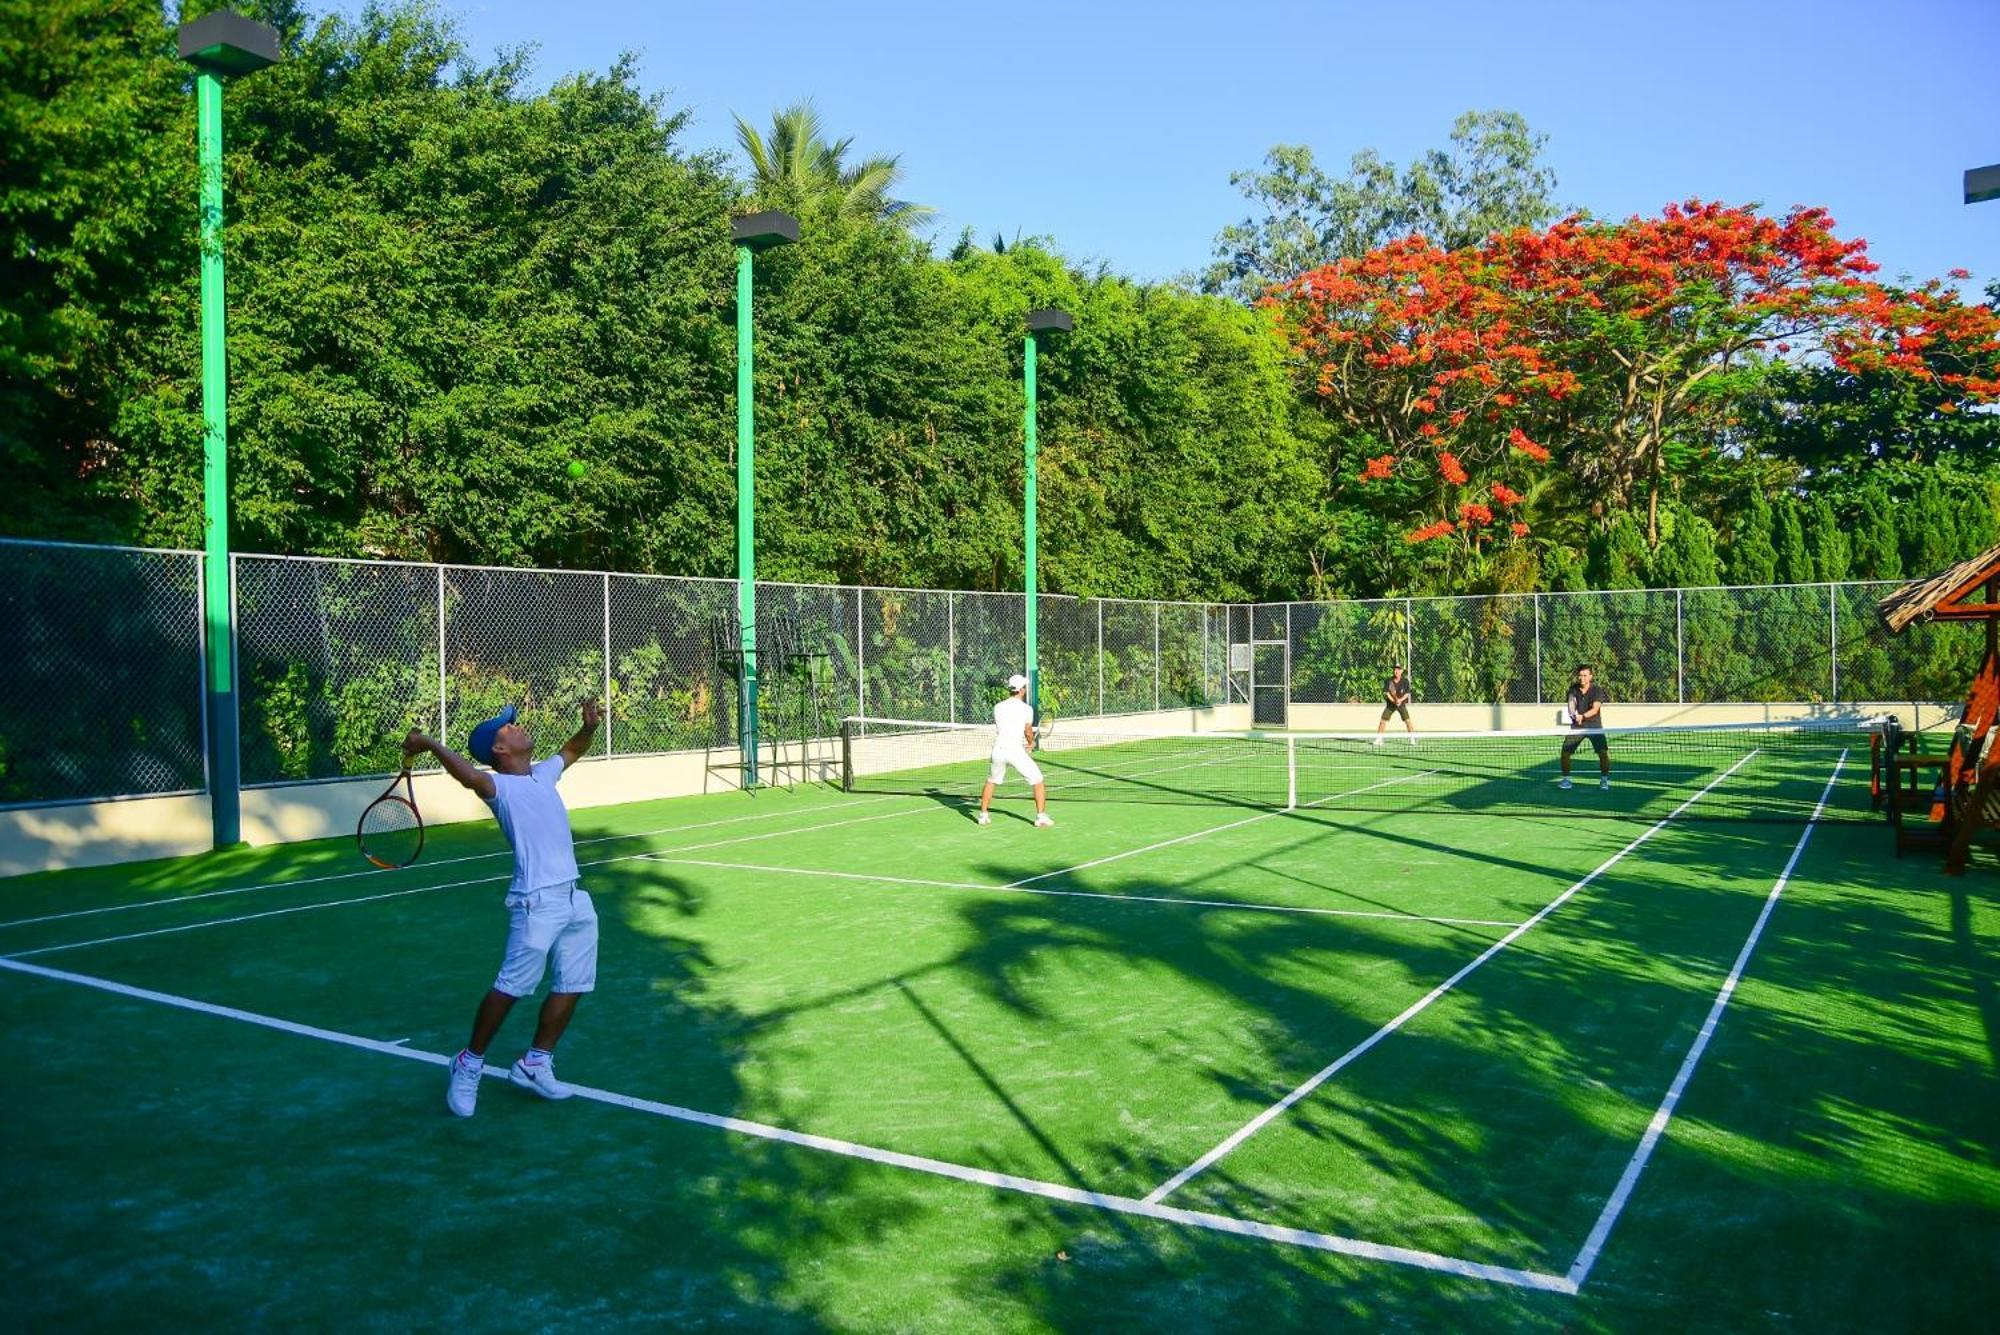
{"x":1686,"y":557}
{"x":797,"y":169}
{"x":1489,"y":179}
{"x":1752,"y":558}
{"x":448,"y":284}
{"x":1788,"y":540}
{"x":1618,"y":555}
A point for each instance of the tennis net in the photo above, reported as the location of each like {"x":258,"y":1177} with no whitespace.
{"x":1771,"y":771}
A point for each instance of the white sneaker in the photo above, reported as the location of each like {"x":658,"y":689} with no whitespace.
{"x":981,"y":818}
{"x":461,"y":1095}
{"x":1413,"y":738}
{"x":1604,"y":782}
{"x":1377,"y":741}
{"x":1042,"y":821}
{"x":540,"y":1077}
{"x":1565,"y":784}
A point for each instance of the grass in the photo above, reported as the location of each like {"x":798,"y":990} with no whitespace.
{"x":878,"y":971}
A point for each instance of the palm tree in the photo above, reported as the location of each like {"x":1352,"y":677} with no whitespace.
{"x":796,"y":168}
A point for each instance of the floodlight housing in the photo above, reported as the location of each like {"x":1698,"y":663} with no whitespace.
{"x":228,"y":44}
{"x":761,"y":231}
{"x":1049,"y":320}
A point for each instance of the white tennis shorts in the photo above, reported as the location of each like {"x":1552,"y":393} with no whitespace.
{"x":556,"y":921}
{"x":1023,"y":763}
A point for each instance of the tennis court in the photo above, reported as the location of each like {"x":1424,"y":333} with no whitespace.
{"x":1384,"y":1035}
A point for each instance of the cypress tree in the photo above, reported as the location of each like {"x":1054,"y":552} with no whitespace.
{"x":1826,"y":539}
{"x":1752,"y":559}
{"x":1788,"y":539}
{"x":1876,"y":553}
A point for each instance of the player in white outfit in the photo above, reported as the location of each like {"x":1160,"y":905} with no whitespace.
{"x":550,"y":918}
{"x":1013,"y":738}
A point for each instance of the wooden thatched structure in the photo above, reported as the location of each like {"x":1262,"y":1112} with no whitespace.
{"x":1942,"y":597}
{"x":1971,"y":770}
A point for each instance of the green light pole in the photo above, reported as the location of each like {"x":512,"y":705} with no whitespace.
{"x":221,"y":46}
{"x":758,"y":231}
{"x":1046,"y":321}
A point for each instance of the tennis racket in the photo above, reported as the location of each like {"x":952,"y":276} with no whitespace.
{"x":1043,"y":730}
{"x":391,"y":832}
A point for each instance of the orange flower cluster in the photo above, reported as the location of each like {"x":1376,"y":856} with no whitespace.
{"x":1520,"y":530}
{"x":1505,"y":494}
{"x":1519,"y":440}
{"x":1380,"y":468}
{"x":1452,"y":470}
{"x":1441,"y":529}
{"x":1473,"y":513}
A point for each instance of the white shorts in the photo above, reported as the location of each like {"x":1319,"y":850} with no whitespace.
{"x":1023,"y":763}
{"x":558,"y":921}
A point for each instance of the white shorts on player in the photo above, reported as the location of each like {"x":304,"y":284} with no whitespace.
{"x":1023,"y":763}
{"x":554,"y":925}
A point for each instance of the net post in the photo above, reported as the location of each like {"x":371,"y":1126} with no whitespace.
{"x":1680,"y":650}
{"x":607,"y":664}
{"x":1100,"y":658}
{"x":847,"y":755}
{"x":1833,"y":643}
{"x":1156,"y":658}
{"x":441,"y":692}
{"x":1291,"y":772}
{"x":951,"y":655}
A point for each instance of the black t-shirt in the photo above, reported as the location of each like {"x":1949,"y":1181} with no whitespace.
{"x":1580,"y":702}
{"x":1396,"y":689}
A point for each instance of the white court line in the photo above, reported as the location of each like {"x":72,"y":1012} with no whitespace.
{"x":1262,"y":1119}
{"x":1328,"y":1242}
{"x":1213,"y":829}
{"x":417,"y":866}
{"x":426,"y":889}
{"x":1579,"y":1270}
{"x":1245,"y":905}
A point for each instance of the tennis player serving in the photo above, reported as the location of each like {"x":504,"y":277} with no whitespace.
{"x":548,"y":914}
{"x":1013,"y":738}
{"x":1584,"y":711}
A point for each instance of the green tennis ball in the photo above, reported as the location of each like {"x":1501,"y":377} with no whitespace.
{"x":577,"y":468}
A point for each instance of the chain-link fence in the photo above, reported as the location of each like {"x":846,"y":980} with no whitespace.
{"x":1815,"y":643}
{"x":101,"y":691}
{"x":336,"y":659}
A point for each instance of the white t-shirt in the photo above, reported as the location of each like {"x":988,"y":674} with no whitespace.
{"x":1011,"y":718}
{"x":532,"y":816}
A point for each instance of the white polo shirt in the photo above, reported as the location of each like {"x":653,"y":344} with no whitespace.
{"x":532,"y":816}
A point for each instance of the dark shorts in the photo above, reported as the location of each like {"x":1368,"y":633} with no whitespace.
{"x":1575,"y":739}
{"x":1391,"y":707}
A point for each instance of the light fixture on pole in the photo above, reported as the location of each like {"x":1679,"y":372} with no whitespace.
{"x":756,"y":232}
{"x":220,"y":46}
{"x":1048,"y":320}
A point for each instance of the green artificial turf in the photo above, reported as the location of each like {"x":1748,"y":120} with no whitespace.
{"x":1091,"y":1007}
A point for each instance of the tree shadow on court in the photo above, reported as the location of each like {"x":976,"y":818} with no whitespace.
{"x":1559,"y":1054}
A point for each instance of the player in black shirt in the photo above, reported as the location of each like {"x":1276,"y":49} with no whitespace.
{"x":1584,"y":713}
{"x":1395,"y":700}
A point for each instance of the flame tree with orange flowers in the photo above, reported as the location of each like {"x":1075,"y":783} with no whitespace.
{"x":1624,"y":348}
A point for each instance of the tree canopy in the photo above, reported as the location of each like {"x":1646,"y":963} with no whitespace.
{"x":448,"y":286}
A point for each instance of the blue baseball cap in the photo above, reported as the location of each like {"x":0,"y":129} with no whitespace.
{"x":481,"y":742}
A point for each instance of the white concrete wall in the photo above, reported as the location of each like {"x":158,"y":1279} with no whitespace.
{"x":89,"y":834}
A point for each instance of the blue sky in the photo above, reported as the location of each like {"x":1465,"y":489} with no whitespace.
{"x":1114,"y":126}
